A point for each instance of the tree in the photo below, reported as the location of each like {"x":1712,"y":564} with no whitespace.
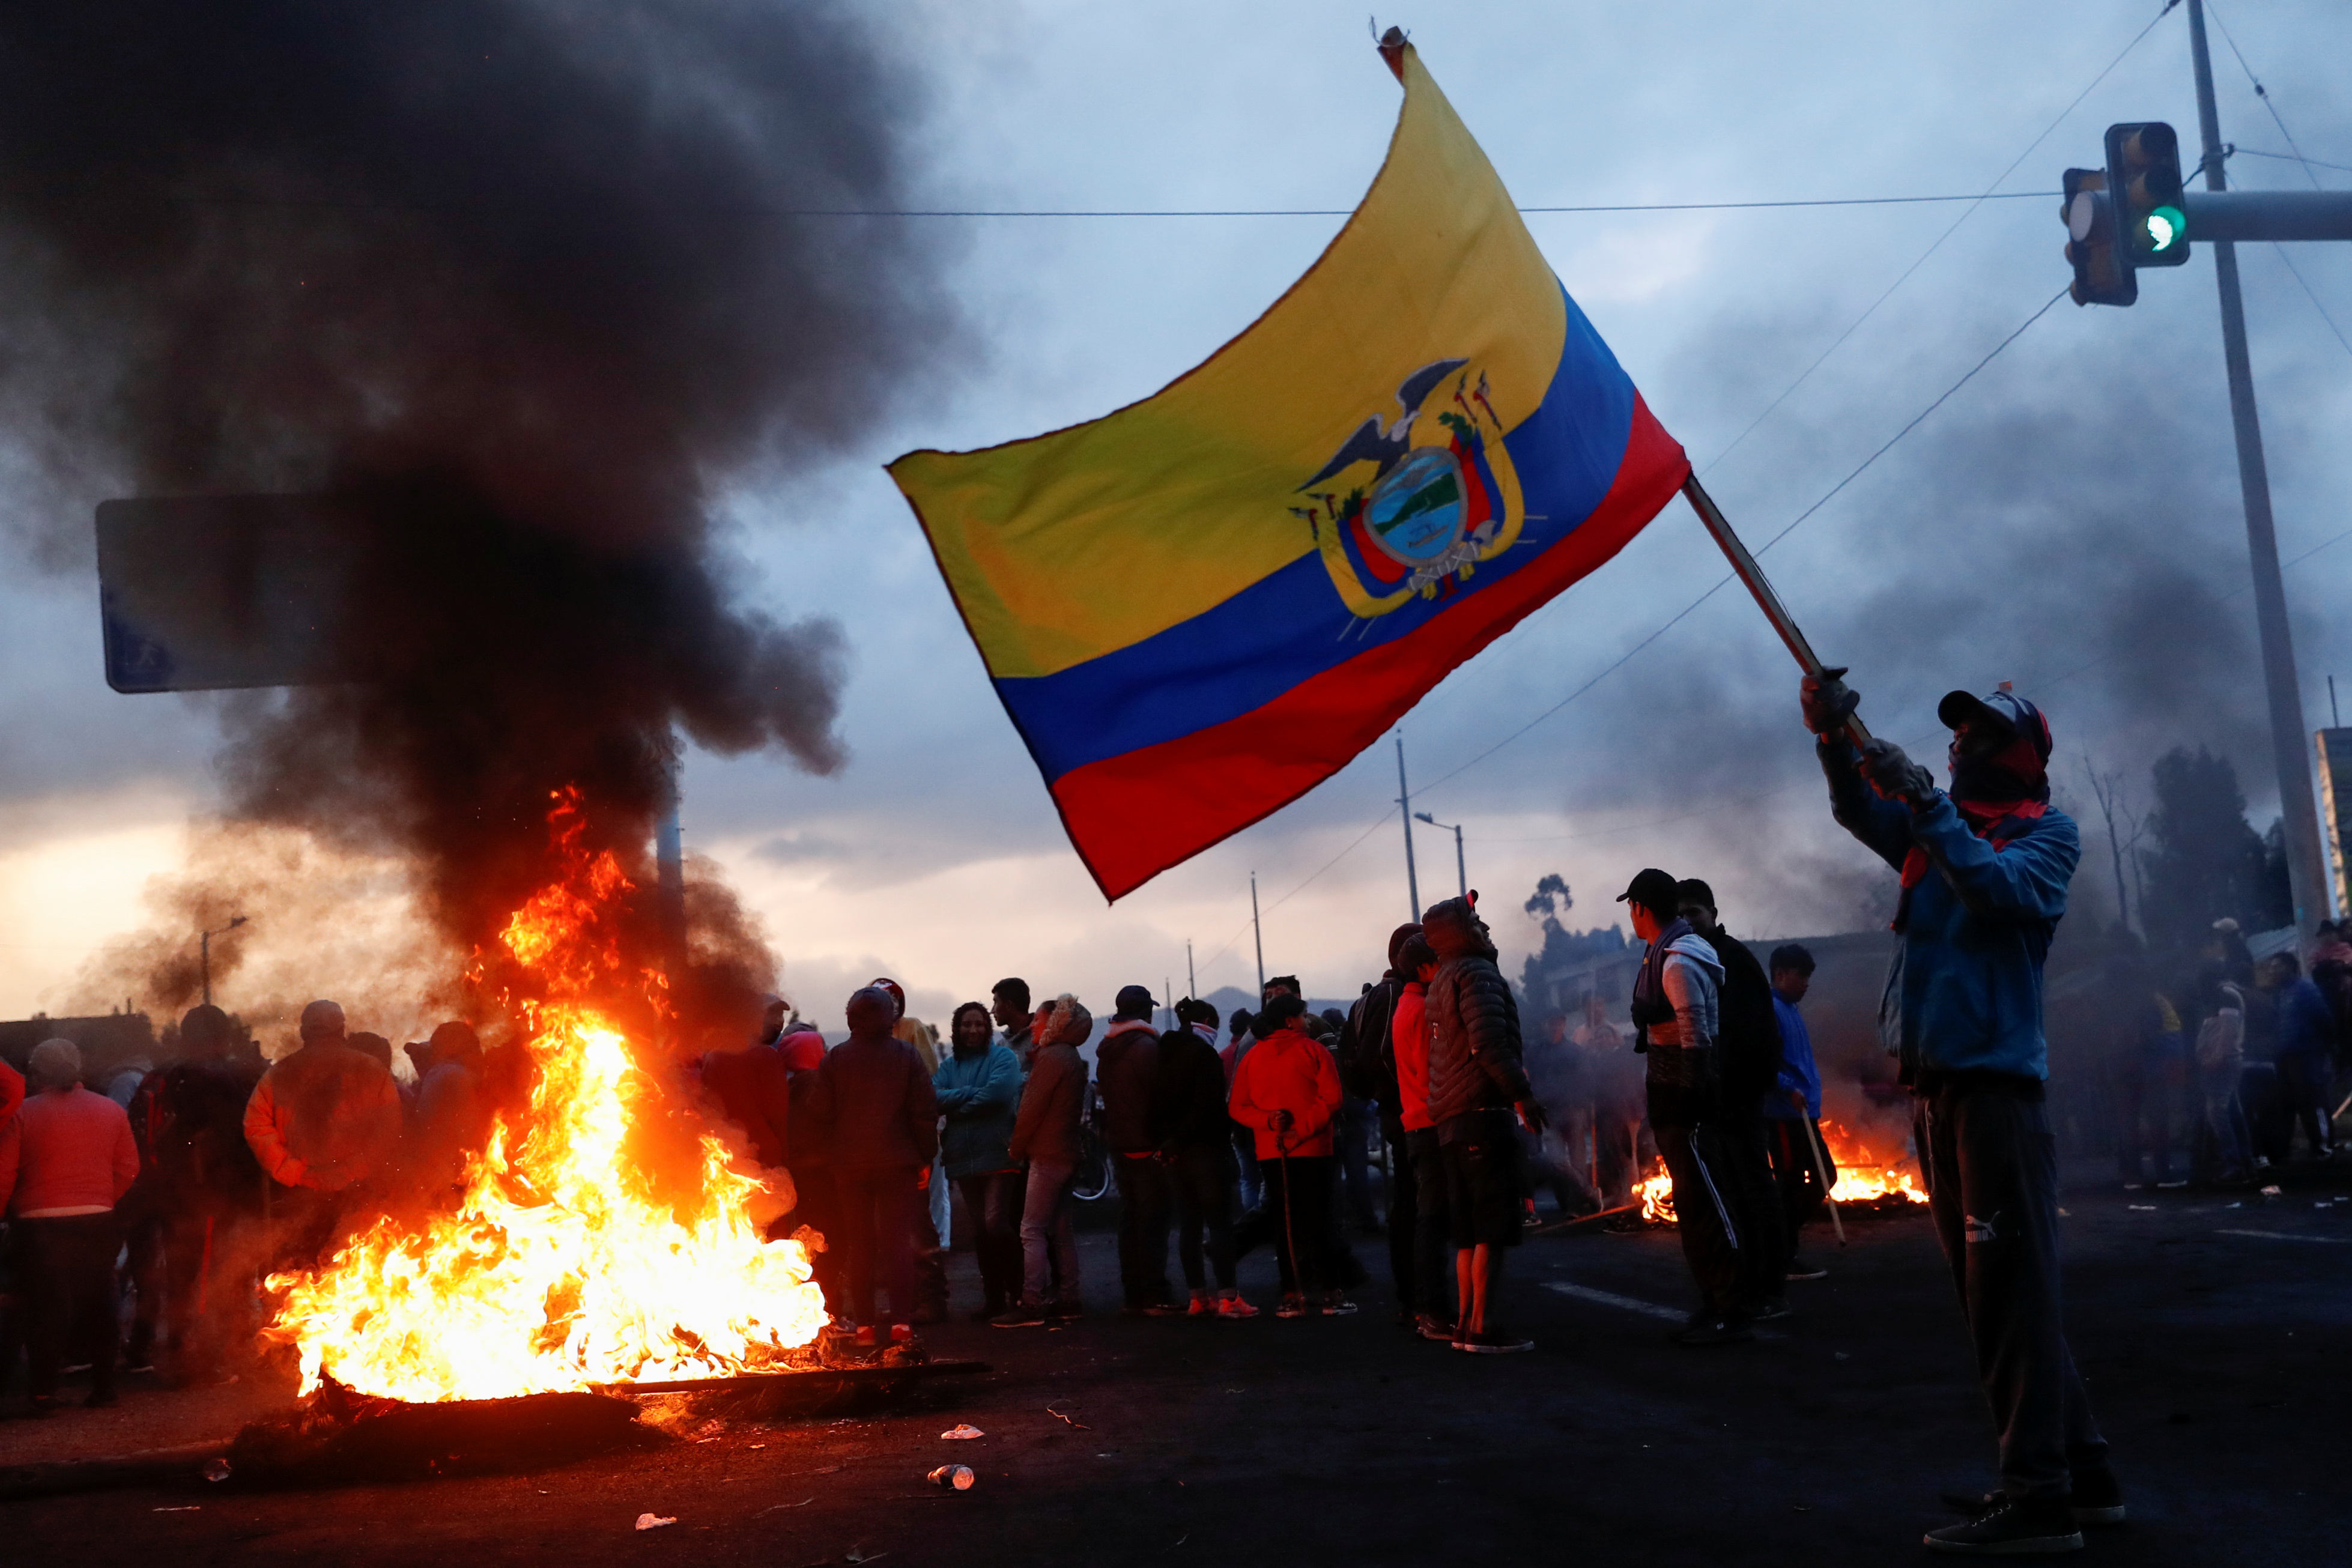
{"x":2124,"y":830}
{"x":1560,"y":945}
{"x":2205,"y":859}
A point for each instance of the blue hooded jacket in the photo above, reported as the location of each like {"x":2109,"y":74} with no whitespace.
{"x":1964,"y":993}
{"x":979,"y":1094}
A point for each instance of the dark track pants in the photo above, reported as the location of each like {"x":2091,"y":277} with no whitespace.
{"x":1433,"y":1227}
{"x":877,"y":1204}
{"x":1403,"y":1200}
{"x":1800,"y":1185}
{"x":65,"y":1274}
{"x":1706,"y":1214}
{"x":1144,"y":1200}
{"x":1763,"y":1234}
{"x":1201,"y":1180}
{"x":991,"y":1212}
{"x":1992,"y":1186}
{"x":1303,"y":1183}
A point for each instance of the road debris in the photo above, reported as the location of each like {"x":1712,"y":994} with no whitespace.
{"x":961,"y":1433}
{"x":652,"y":1521}
{"x":957,"y":1478}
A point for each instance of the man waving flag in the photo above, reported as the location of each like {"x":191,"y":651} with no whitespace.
{"x":1200,"y":607}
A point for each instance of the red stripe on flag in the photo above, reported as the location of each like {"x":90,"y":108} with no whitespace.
{"x":1134,"y":815}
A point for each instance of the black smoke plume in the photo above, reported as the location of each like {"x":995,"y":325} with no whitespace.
{"x":518,"y":285}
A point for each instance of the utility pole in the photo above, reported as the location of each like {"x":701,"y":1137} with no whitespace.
{"x":2298,"y":807}
{"x":1192,"y":980}
{"x":1461,"y":867}
{"x":1404,"y":800}
{"x":1257,"y":936}
{"x":204,"y":953}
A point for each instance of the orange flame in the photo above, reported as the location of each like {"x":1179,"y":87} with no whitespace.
{"x":1862,"y":1176}
{"x":560,"y":1268}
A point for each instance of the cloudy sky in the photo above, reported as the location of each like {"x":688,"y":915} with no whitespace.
{"x":2068,"y":520}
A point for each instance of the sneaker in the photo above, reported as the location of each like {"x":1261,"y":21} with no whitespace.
{"x":1769,"y":1311}
{"x":1494,"y":1341}
{"x":1200,"y":1307}
{"x":902,"y":1334}
{"x":1706,"y":1330}
{"x":1018,"y":1318}
{"x":867,"y":1338}
{"x":1806,"y":1269}
{"x":1429,"y":1326}
{"x":1333,"y":1307}
{"x":2171,"y":1185}
{"x":1292,"y":1307}
{"x":139,"y":1363}
{"x":2016,"y":1527}
{"x":2096,"y":1497}
{"x":1235,"y":1307}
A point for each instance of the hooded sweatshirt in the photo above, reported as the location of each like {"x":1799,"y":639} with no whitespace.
{"x":67,"y":1152}
{"x":1287,"y":1070}
{"x":1190,"y":1095}
{"x":326,"y":1117}
{"x":875,"y":1100}
{"x":979,"y":1091}
{"x":1409,"y":1030}
{"x":1127,"y":1069}
{"x":1046,"y":1132}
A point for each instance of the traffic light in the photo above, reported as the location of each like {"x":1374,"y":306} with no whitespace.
{"x":2144,"y":177}
{"x":2103,"y":272}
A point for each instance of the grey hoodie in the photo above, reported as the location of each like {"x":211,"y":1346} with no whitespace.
{"x":1691,"y":979}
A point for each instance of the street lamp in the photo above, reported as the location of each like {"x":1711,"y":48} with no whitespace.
{"x":204,"y":949}
{"x":1461,"y":869}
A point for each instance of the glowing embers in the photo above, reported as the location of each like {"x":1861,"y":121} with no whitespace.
{"x":566,"y":1263}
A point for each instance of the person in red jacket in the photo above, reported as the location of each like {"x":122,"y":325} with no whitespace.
{"x":65,"y":1160}
{"x":1432,"y":1237}
{"x":1287,"y":1092}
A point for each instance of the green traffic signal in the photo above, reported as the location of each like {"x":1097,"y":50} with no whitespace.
{"x":2166,"y":227}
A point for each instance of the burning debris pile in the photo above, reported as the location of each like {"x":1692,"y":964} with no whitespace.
{"x":565,"y":1264}
{"x":1869,"y":1177}
{"x":526,"y":293}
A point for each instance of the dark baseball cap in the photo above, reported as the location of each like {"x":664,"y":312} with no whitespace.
{"x":1652,"y":889}
{"x":2003,"y":709}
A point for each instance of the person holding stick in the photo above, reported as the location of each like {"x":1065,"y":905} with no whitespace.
{"x":1287,"y":1092}
{"x":1985,"y":868}
{"x":1792,"y":1111}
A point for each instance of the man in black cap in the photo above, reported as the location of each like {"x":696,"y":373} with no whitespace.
{"x":1748,"y":1043}
{"x":1676,"y":995}
{"x":1984,"y":868}
{"x":1127,"y":1071}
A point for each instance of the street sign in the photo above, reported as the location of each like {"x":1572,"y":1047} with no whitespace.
{"x":217,"y":592}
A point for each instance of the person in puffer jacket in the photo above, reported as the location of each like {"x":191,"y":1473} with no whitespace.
{"x":1477,"y":1086}
{"x":1287,"y":1092}
{"x":323,"y":1123}
{"x":1985,"y":868}
{"x":1045,"y":1138}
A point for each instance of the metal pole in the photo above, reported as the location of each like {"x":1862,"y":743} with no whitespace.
{"x":204,"y":946}
{"x":1460,"y":866}
{"x":1743,"y":565}
{"x":1257,"y":934}
{"x":2298,"y":804}
{"x":1404,"y":801}
{"x":1192,"y":980}
{"x":669,"y":871}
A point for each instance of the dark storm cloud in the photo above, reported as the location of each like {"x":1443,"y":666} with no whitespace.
{"x":509,"y":281}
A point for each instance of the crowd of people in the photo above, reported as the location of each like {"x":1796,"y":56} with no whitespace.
{"x":2222,"y":1065}
{"x":1230,"y":1133}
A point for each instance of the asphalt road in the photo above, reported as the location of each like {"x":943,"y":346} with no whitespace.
{"x":2214,"y":1338}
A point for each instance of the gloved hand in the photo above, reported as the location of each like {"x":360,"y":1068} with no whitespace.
{"x":1888,"y":769}
{"x":1531,"y":1116}
{"x":1827,"y":701}
{"x":1283,"y":1121}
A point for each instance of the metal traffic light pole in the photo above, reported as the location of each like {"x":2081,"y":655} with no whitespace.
{"x":2298,"y":805}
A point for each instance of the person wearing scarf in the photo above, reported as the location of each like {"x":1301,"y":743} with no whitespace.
{"x":1985,"y":867}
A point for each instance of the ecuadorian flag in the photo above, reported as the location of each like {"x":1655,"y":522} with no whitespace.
{"x":1200,"y":607}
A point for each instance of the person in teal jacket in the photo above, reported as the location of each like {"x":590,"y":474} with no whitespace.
{"x":1984,"y":868}
{"x":979,"y":1088}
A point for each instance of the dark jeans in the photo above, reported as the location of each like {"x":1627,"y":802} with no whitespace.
{"x":1992,"y":1187}
{"x":1201,"y":1178}
{"x":991,"y":1212}
{"x":1355,"y":1166}
{"x":1144,"y":1200}
{"x":878,"y":1207}
{"x":2303,"y":1077}
{"x":2149,"y":1093}
{"x":930,"y":1258}
{"x":1763,"y":1234}
{"x":142,"y":1278}
{"x":1253,"y":1189}
{"x":1404,"y":1216}
{"x":65,"y":1274}
{"x":1298,"y":1211}
{"x":1800,"y":1185}
{"x":1704,"y":1214}
{"x":1433,"y":1226}
{"x":818,"y":1206}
